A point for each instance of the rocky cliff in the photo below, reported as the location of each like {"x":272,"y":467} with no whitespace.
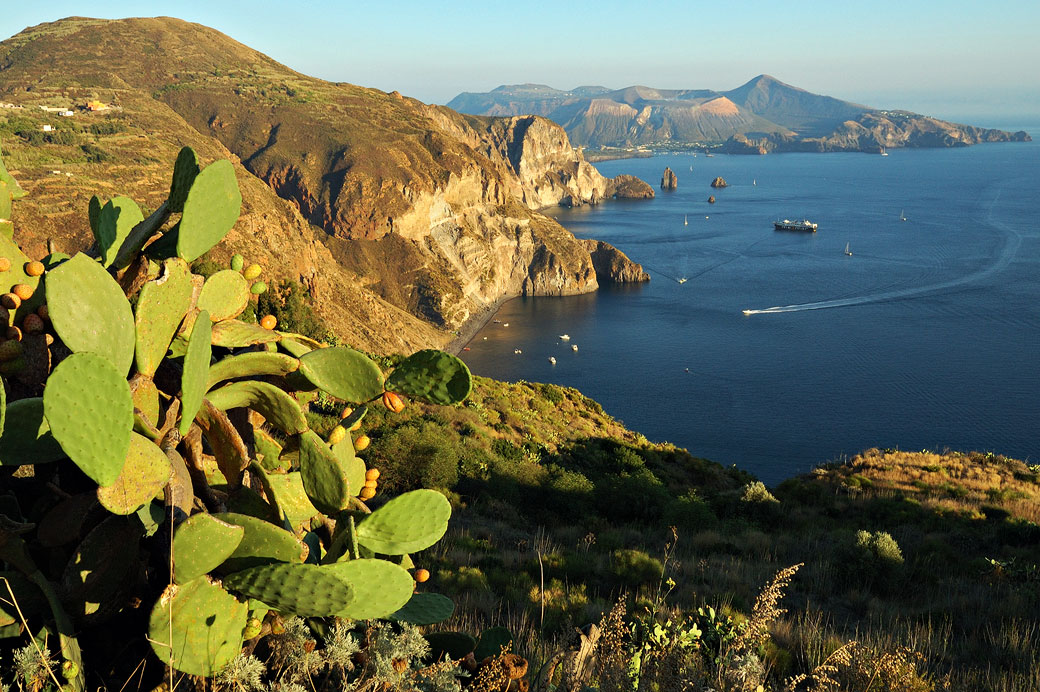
{"x":612,"y":265}
{"x":420,"y":215}
{"x":669,"y":180}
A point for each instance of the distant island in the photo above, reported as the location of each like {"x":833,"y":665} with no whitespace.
{"x":762,"y":116}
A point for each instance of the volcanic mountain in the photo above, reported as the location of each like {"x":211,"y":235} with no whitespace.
{"x":760,"y":116}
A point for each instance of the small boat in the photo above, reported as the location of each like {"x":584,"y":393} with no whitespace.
{"x":552,"y":359}
{"x":747,"y":312}
{"x":465,"y":348}
{"x":883,"y":152}
{"x":754,"y":181}
{"x":788,"y":225}
{"x":565,"y":337}
{"x":574,"y":348}
{"x":847,"y":250}
{"x":517,"y":351}
{"x":682,"y":279}
{"x":686,"y":220}
{"x":497,"y":321}
{"x":505,"y":324}
{"x":902,"y":216}
{"x":710,"y":156}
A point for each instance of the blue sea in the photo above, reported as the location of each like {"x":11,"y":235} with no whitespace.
{"x":926,"y":337}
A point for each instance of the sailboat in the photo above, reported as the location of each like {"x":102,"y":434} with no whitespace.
{"x":883,"y":152}
{"x":847,"y":250}
{"x":686,"y":220}
{"x":902,"y":216}
{"x":754,"y":181}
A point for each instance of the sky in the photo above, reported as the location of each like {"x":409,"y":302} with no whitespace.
{"x":953,"y":59}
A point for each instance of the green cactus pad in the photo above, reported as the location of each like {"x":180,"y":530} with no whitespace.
{"x":94,"y":215}
{"x":254,"y":364}
{"x":352,"y":467}
{"x":146,"y":398}
{"x":90,"y":313}
{"x":433,"y":376}
{"x":263,"y":544}
{"x":196,"y":371}
{"x":305,"y":590}
{"x":380,"y":587}
{"x":268,"y":450}
{"x":117,"y":218}
{"x":294,"y":347}
{"x":161,"y":306}
{"x":185,"y":171}
{"x":343,"y":372}
{"x":16,"y":275}
{"x":144,"y":474}
{"x":292,"y":498}
{"x":279,"y":408}
{"x":5,"y":202}
{"x":206,"y":624}
{"x":12,"y":185}
{"x":201,"y":543}
{"x":210,"y":210}
{"x":236,"y":334}
{"x":225,"y":295}
{"x":491,"y":642}
{"x":322,"y":474}
{"x":91,"y":414}
{"x":101,"y":566}
{"x":450,"y":645}
{"x":27,"y":437}
{"x":406,"y":524}
{"x":425,"y":609}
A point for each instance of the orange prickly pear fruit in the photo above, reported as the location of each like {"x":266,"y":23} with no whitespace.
{"x":393,"y":402}
{"x":44,"y":312}
{"x":422,"y":575}
{"x":14,"y":333}
{"x":269,"y":322}
{"x":337,"y":435}
{"x":372,"y":475}
{"x":32,"y":324}
{"x":346,"y":412}
{"x":34,"y":268}
{"x":367,"y":493}
{"x":23,"y":291}
{"x":5,"y":264}
{"x":362,"y":443}
{"x":371,"y":484}
{"x":11,"y":301}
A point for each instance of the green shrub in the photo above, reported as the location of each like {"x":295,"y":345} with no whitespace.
{"x":879,"y":546}
{"x":633,"y":568}
{"x":690,"y":512}
{"x":757,"y":492}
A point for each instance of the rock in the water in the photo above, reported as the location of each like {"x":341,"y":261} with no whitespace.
{"x":719,"y":182}
{"x":631,"y":187}
{"x":612,"y":265}
{"x":669,"y":180}
{"x":711,"y":199}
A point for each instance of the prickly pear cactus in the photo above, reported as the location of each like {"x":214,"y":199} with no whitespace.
{"x":177,"y":433}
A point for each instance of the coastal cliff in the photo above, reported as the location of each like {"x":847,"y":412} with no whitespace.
{"x":413,"y":215}
{"x":612,"y":265}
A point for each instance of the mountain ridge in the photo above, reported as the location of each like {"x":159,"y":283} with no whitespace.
{"x":407,"y":214}
{"x":767,"y":115}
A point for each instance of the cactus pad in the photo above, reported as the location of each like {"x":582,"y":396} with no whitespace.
{"x":263,"y":543}
{"x":268,"y":450}
{"x":89,"y":311}
{"x":144,"y":474}
{"x":343,"y":372}
{"x":279,"y":408}
{"x":352,"y":467}
{"x":196,"y":371}
{"x":433,"y":376}
{"x":117,"y":218}
{"x":225,"y":295}
{"x":12,"y":185}
{"x":491,"y":642}
{"x":322,"y":475}
{"x":185,"y":170}
{"x":200,"y":544}
{"x":451,"y":645}
{"x":206,"y":625}
{"x":161,"y":306}
{"x":252,"y":364}
{"x":406,"y":524}
{"x":16,"y":275}
{"x":91,"y":414}
{"x":210,"y":210}
{"x":380,"y":587}
{"x":292,"y":498}
{"x":304,"y":589}
{"x":237,"y":334}
{"x":101,"y":566}
{"x":425,"y":609}
{"x":27,"y":437}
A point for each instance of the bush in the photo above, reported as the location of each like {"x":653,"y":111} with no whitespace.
{"x":633,"y":568}
{"x":411,"y":457}
{"x":879,"y":546}
{"x":757,"y":492}
{"x":95,"y":154}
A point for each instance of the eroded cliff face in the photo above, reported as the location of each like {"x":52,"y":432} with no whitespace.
{"x":612,"y":265}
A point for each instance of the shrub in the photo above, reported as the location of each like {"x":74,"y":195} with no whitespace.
{"x":879,"y":546}
{"x":633,"y":568}
{"x":757,"y":492}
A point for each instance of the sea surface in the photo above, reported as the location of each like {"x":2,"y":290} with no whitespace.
{"x":926,"y":337}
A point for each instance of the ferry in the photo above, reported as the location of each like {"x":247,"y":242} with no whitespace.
{"x":788,"y":225}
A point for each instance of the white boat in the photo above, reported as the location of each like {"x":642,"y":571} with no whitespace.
{"x":552,"y":359}
{"x":565,"y":337}
{"x":747,"y":312}
{"x":686,"y":220}
{"x":754,"y":181}
{"x":847,"y":250}
{"x":883,"y":152}
{"x":516,"y":350}
{"x":682,"y":279}
{"x":788,"y":225}
{"x":902,"y":216}
{"x":574,"y":348}
{"x":505,"y":324}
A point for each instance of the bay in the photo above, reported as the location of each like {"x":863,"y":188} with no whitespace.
{"x":926,"y":337}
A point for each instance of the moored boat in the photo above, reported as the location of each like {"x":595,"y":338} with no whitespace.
{"x":788,"y":225}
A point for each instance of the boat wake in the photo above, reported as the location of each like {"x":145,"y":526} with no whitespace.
{"x":1012,"y":242}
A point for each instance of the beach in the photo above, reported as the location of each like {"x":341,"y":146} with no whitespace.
{"x":471,"y":327}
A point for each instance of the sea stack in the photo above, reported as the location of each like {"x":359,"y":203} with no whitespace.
{"x":718,"y":182}
{"x":711,"y":199}
{"x":669,"y":180}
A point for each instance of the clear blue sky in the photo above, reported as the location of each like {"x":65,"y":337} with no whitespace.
{"x":949,"y":58}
